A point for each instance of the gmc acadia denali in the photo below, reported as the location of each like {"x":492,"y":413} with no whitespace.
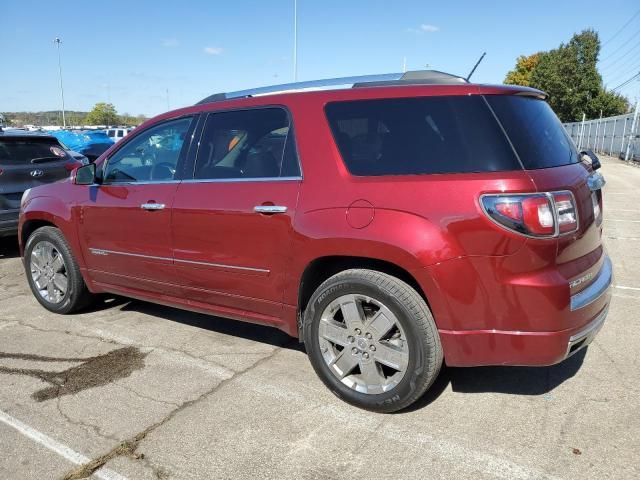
{"x":392,"y":223}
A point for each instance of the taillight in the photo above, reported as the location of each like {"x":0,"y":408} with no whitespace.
{"x":596,"y":199}
{"x":72,"y":165}
{"x":534,"y":214}
{"x":566,"y":212}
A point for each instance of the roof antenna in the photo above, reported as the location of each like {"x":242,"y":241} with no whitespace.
{"x":475,"y":66}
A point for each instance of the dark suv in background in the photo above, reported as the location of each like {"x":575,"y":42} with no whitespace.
{"x":27,"y":159}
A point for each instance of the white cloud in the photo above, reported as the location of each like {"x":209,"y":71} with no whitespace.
{"x":424,"y":28}
{"x":213,"y":50}
{"x":170,"y":42}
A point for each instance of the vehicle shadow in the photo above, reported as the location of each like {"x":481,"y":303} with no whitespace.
{"x":249,"y":331}
{"x":531,"y":381}
{"x":9,"y":247}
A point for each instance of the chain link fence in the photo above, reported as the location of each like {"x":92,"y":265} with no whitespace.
{"x":614,"y":136}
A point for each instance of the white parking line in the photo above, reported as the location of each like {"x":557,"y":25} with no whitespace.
{"x":621,"y":220}
{"x":624,"y":238}
{"x":622,"y":287}
{"x":57,"y":447}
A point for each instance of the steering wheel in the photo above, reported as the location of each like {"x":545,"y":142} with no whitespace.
{"x":163,"y":171}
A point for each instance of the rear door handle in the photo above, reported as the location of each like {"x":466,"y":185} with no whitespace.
{"x":269,"y":209}
{"x":152,"y":206}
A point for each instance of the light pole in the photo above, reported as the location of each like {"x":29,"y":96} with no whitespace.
{"x":57,"y":41}
{"x":295,"y":40}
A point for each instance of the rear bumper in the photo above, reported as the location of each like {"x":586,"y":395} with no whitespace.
{"x":574,"y":324}
{"x":480,"y":348}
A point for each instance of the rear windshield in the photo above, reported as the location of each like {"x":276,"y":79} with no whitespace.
{"x":409,"y":136}
{"x":18,"y":151}
{"x":535,"y":131}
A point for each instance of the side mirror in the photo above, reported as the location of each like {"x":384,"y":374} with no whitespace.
{"x":593,"y":158}
{"x":85,"y":175}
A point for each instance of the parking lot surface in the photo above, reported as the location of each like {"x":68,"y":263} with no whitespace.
{"x":130,"y":390}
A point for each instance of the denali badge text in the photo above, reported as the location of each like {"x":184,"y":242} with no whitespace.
{"x":581,"y":280}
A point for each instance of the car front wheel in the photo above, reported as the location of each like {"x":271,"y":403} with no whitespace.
{"x":372,"y":340}
{"x":53,"y":273}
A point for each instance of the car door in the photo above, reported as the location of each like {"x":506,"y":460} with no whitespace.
{"x":232,"y":223}
{"x":125,"y":220}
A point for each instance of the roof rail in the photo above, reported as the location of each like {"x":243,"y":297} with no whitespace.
{"x":417,"y":77}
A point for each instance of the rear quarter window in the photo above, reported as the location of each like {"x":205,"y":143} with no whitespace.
{"x":535,"y":131}
{"x":424,"y":135}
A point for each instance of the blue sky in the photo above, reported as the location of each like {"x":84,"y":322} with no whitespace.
{"x":131,"y":52}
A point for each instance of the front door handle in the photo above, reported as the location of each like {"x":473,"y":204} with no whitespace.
{"x":269,"y":209}
{"x":152,"y":206}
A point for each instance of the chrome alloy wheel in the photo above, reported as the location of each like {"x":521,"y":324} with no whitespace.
{"x":49,"y":272}
{"x":363,"y":344}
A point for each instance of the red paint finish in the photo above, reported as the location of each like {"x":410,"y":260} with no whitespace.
{"x":498,"y":297}
{"x":236,"y":258}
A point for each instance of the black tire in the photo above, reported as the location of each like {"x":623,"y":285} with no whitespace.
{"x":425,"y":350}
{"x":77,"y":296}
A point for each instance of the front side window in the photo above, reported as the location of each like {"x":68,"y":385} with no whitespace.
{"x":151,"y":156}
{"x":247,"y":144}
{"x":420,"y":135}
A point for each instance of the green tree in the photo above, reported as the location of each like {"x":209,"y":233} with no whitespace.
{"x":521,"y":74}
{"x":570,"y":76}
{"x":102,"y":114}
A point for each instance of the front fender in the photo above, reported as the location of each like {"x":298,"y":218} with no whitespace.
{"x":51,"y":210}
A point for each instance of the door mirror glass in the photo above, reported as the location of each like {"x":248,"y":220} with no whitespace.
{"x":86,"y":175}
{"x":591,"y":157}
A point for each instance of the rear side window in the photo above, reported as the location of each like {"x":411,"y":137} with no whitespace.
{"x":412,"y":136}
{"x":535,"y":131}
{"x":18,"y":151}
{"x":247,"y":144}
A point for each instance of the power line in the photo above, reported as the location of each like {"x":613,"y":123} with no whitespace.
{"x":621,"y":28}
{"x":637,"y":75}
{"x":623,"y":73}
{"x":636,"y":45}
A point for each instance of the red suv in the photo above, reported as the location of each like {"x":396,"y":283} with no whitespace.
{"x":390,"y":222}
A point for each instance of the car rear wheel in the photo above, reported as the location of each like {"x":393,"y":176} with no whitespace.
{"x":372,"y":340}
{"x":53,"y":273}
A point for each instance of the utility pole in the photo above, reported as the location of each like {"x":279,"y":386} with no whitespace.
{"x":57,"y":41}
{"x":295,"y":40}
{"x":404,"y":64}
{"x":168,"y":104}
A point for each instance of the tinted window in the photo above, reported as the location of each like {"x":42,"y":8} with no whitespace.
{"x":151,"y":156}
{"x":254,"y":143}
{"x":419,"y":135}
{"x":535,"y":131}
{"x":18,"y":151}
